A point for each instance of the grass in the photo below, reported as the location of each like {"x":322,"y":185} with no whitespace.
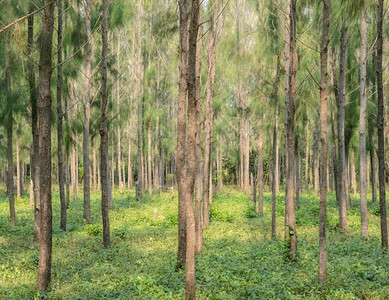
{"x":239,"y":260}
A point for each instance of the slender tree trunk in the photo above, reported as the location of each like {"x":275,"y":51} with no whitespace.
{"x":211,"y":56}
{"x":87,"y":85}
{"x":307,"y":157}
{"x":381,"y":138}
{"x":9,"y":128}
{"x":362,"y":126}
{"x":45,"y":69}
{"x":61,"y":173}
{"x":181,"y":134}
{"x":18,"y":175}
{"x":353,"y":175}
{"x":316,"y":157}
{"x":139,"y":95}
{"x":121,"y":184}
{"x":149,"y":179}
{"x":73,"y":171}
{"x":129,"y":170}
{"x":297,"y":179}
{"x":198,"y":175}
{"x":290,"y":219}
{"x":324,"y":143}
{"x":103,"y":128}
{"x":34,"y":126}
{"x":373,"y":173}
{"x":260,"y":166}
{"x":94,"y":174}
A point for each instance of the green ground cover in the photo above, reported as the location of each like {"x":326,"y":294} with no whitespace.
{"x":239,"y":260}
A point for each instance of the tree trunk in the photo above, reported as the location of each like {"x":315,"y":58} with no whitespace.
{"x":9,"y":128}
{"x":139,"y":95}
{"x":45,"y":69}
{"x":316,"y":157}
{"x":341,"y":139}
{"x":324,"y":143}
{"x":362,"y":126}
{"x":381,"y":138}
{"x":373,"y":173}
{"x":290,"y":219}
{"x":129,"y":167}
{"x":307,"y":157}
{"x":149,"y":179}
{"x":121,"y":184}
{"x":18,"y":175}
{"x":73,"y":171}
{"x":260,"y":166}
{"x":353,"y":175}
{"x":34,"y":164}
{"x":211,"y":56}
{"x":199,"y":123}
{"x":103,"y":128}
{"x":297,"y":179}
{"x":191,"y":152}
{"x":94,"y":174}
{"x":61,"y":173}
{"x":181,"y":134}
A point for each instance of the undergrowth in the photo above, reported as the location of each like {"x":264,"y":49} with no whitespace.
{"x":239,"y":259}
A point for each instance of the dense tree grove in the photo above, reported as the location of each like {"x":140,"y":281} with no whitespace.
{"x":282,"y":100}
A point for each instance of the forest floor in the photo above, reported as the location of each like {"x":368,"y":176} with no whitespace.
{"x":239,"y":259}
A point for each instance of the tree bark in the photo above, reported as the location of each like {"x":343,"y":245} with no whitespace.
{"x":9,"y":128}
{"x":362,"y":126}
{"x":211,"y":56}
{"x":316,"y":137}
{"x":199,"y":123}
{"x":44,"y":111}
{"x":307,"y":157}
{"x":290,"y":101}
{"x":129,"y":168}
{"x":260,"y":166}
{"x":18,"y":175}
{"x":191,"y":152}
{"x":381,"y":138}
{"x":324,"y":143}
{"x":181,"y":133}
{"x":341,"y":138}
{"x":103,"y":128}
{"x":61,"y":174}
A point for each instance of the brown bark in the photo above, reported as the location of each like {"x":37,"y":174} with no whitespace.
{"x":61,"y":173}
{"x":316,"y":158}
{"x":129,"y":169}
{"x":307,"y":157}
{"x":381,"y":138}
{"x":103,"y":128}
{"x":18,"y":175}
{"x":260,"y":166}
{"x":94,"y":174}
{"x":9,"y":129}
{"x":149,"y":179}
{"x":362,"y":125}
{"x":341,"y":139}
{"x":198,"y":175}
{"x":211,"y":57}
{"x":324,"y":143}
{"x":181,"y":133}
{"x":191,"y":152}
{"x":290,"y":219}
{"x":44,"y":111}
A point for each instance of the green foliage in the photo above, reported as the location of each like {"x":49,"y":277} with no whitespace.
{"x":239,"y":259}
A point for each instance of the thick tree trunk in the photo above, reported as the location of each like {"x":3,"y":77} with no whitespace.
{"x":381,"y":138}
{"x":181,"y":134}
{"x":290,"y":218}
{"x":103,"y":128}
{"x":61,"y":173}
{"x":45,"y":69}
{"x":324,"y":143}
{"x":260,"y":166}
{"x":191,"y":152}
{"x":362,"y":126}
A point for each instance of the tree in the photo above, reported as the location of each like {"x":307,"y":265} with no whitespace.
{"x":290,"y":100}
{"x":87,"y":86}
{"x":181,"y":134}
{"x":324,"y":142}
{"x":381,"y":138}
{"x":61,"y":173}
{"x":44,"y":111}
{"x":362,"y":124}
{"x":104,"y":129}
